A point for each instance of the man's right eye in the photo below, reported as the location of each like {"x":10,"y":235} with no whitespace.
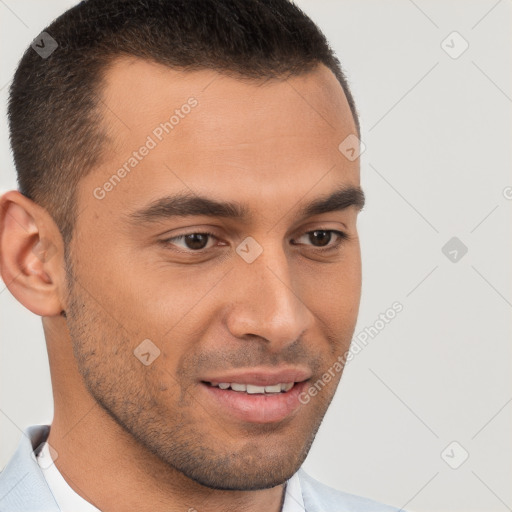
{"x":191,"y":242}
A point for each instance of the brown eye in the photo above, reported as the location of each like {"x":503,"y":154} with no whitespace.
{"x":196,"y":241}
{"x":321,"y":238}
{"x":190,"y":242}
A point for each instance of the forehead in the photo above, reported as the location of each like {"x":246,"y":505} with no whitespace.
{"x":139,"y":94}
{"x":265,"y":139}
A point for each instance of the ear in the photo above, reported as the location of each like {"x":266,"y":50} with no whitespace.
{"x":31,"y":255}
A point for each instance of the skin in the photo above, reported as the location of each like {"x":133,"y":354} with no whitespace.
{"x":129,"y":434}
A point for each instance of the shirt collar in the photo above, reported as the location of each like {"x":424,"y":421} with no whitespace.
{"x":67,"y":499}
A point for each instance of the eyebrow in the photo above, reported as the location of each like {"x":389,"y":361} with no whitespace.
{"x":188,"y":204}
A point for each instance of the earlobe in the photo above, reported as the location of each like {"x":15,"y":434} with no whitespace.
{"x":31,"y":254}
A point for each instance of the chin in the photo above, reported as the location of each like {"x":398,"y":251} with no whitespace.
{"x":252,"y":468}
{"x":265,"y":478}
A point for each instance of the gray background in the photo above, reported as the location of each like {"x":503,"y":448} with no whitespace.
{"x":437,"y":131}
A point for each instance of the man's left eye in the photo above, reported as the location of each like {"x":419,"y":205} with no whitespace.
{"x":324,"y":237}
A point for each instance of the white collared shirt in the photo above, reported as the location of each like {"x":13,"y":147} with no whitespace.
{"x":69,"y":501}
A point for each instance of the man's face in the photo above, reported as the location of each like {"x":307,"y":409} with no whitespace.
{"x":276,"y":308}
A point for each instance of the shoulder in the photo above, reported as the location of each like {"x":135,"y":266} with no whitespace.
{"x":23,"y":486}
{"x":319,"y":497}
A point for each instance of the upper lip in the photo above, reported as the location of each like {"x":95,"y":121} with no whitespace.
{"x":261,"y":376}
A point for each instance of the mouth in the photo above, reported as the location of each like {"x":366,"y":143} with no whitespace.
{"x":256,"y":397}
{"x":252,"y":389}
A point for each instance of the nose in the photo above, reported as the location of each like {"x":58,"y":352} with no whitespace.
{"x":266,"y":301}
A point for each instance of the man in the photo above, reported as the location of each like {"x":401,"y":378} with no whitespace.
{"x":186,"y":229}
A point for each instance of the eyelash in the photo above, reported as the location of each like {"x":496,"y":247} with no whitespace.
{"x":341,"y":238}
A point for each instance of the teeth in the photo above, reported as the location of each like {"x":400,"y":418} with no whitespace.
{"x":251,"y":389}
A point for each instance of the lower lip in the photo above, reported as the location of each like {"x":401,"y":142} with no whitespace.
{"x":258,"y":407}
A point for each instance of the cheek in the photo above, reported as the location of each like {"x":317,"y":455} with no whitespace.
{"x":334,"y":289}
{"x":333,"y":295}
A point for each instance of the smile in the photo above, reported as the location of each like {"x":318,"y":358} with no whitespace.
{"x":251,"y":389}
{"x":250,"y":403}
